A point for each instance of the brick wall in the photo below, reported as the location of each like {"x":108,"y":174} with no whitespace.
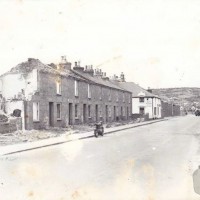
{"x":99,"y":96}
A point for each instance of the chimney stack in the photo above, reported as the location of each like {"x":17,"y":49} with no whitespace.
{"x":149,"y":90}
{"x":64,"y":65}
{"x":77,"y":67}
{"x":122,"y":77}
{"x":89,"y":70}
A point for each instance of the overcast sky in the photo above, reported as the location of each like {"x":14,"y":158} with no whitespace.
{"x":156,"y":43}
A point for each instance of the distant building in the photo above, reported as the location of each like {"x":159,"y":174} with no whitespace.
{"x":143,"y":101}
{"x":58,"y":96}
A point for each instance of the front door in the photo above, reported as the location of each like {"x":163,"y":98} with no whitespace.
{"x":96,"y":113}
{"x":106,"y":113}
{"x":84,"y":113}
{"x":70,"y":114}
{"x":114,"y":113}
{"x":51,"y":114}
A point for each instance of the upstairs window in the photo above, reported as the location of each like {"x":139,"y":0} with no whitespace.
{"x":58,"y":87}
{"x":89,"y":92}
{"x":117,"y":96}
{"x":101,"y":93}
{"x":76,"y":88}
{"x":141,"y":99}
{"x":109,"y":95}
{"x":58,"y":111}
{"x":35,"y":111}
{"x":123,"y":97}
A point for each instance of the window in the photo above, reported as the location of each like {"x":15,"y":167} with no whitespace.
{"x":76,"y":111}
{"x":141,"y":99}
{"x":89,"y":92}
{"x":101,"y":93}
{"x":35,"y":111}
{"x":117,"y":96}
{"x":58,"y":111}
{"x":109,"y":95}
{"x":124,"y":111}
{"x":89,"y":111}
{"x":109,"y":111}
{"x":123,"y":97}
{"x":100,"y":111}
{"x":58,"y":87}
{"x":154,"y":110}
{"x":76,"y":88}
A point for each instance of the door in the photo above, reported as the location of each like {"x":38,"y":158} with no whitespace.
{"x":70,"y":114}
{"x":114,"y":113}
{"x":106,"y":113}
{"x":84,"y":113}
{"x":51,"y":114}
{"x":96,"y":113}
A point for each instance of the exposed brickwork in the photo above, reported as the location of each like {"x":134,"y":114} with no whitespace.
{"x":99,"y":97}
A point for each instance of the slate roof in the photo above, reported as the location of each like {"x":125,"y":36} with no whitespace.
{"x":100,"y":81}
{"x":32,"y":63}
{"x":135,"y":89}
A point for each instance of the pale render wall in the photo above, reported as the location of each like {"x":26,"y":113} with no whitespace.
{"x":148,"y":106}
{"x":12,"y":84}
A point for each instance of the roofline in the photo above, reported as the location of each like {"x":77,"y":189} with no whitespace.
{"x":146,"y":97}
{"x":121,"y":89}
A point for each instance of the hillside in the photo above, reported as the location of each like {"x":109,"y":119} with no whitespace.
{"x":186,"y":96}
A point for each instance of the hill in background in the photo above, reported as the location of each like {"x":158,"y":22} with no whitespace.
{"x":185,"y":96}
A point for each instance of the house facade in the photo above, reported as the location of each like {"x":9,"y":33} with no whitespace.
{"x":58,"y":96}
{"x":143,"y":101}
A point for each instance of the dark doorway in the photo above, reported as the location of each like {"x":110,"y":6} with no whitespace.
{"x":127,"y":113}
{"x":114,"y":113}
{"x":84,"y":113}
{"x":70,"y":114}
{"x":51,"y":114}
{"x":106,"y":113}
{"x":96,"y":113}
{"x":141,"y":110}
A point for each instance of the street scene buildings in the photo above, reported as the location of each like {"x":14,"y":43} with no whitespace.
{"x":59,"y":95}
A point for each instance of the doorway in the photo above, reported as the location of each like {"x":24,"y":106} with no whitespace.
{"x":106,"y":113}
{"x":51,"y":114}
{"x":70,"y":114}
{"x":84,"y":113}
{"x":96,"y":113}
{"x":114,"y":113}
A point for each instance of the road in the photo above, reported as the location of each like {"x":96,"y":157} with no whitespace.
{"x":153,"y":162}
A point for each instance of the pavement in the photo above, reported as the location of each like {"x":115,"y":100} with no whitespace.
{"x":16,"y":148}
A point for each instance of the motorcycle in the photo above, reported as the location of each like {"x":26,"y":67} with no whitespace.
{"x":99,"y":129}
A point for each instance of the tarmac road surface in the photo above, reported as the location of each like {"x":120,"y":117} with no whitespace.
{"x":153,"y":162}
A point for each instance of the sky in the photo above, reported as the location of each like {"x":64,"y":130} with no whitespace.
{"x":156,"y":43}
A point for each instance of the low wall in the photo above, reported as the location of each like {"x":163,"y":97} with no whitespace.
{"x":14,"y":124}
